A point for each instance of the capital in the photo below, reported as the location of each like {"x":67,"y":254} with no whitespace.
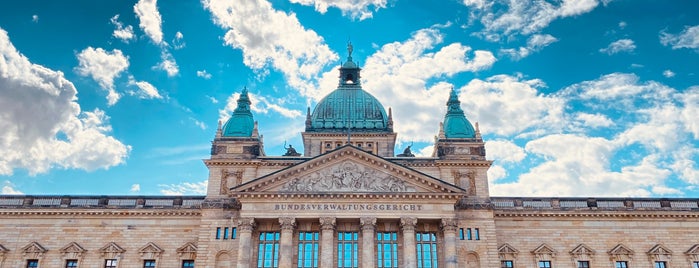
{"x":287,"y":223}
{"x":367,"y":223}
{"x":408,"y":223}
{"x":327,"y":223}
{"x":246,"y":224}
{"x":449,"y":225}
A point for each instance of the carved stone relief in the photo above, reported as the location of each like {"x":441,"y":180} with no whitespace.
{"x":225,"y":178}
{"x":465,"y":180}
{"x":349,"y":177}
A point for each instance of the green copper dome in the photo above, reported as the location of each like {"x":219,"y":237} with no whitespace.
{"x":241,"y":123}
{"x":456,"y":126}
{"x":349,"y":105}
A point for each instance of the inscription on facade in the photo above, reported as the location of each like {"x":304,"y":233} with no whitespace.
{"x":348,"y":177}
{"x":349,"y":207}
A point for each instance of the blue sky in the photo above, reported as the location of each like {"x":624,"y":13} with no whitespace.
{"x":573,"y":97}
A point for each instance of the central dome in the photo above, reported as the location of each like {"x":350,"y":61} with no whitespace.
{"x":349,"y":106}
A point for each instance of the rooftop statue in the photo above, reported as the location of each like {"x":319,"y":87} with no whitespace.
{"x":407,"y":152}
{"x":290,"y":151}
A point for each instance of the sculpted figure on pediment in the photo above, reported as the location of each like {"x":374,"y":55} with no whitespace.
{"x":347,"y":177}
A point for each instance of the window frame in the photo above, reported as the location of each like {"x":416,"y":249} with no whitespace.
{"x":545,"y":264}
{"x":71,"y":261}
{"x":353,"y":243}
{"x":583,"y":264}
{"x":426,"y":260}
{"x":621,"y":264}
{"x":268,"y":239}
{"x":32,"y":263}
{"x":187,"y":263}
{"x":147,"y":262}
{"x":306,"y":240}
{"x":391,"y":245}
{"x":110,"y":263}
{"x":507,"y":264}
{"x":660,"y":264}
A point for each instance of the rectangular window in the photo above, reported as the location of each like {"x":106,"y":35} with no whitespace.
{"x":544,"y":264}
{"x":225,"y":233}
{"x":149,"y":264}
{"x":268,"y":250}
{"x":218,"y":232}
{"x":469,"y":235}
{"x":477,"y":234}
{"x":71,"y":263}
{"x":233,"y":232}
{"x":110,"y":263}
{"x":308,"y":250}
{"x":347,"y":250}
{"x":426,"y":250}
{"x":621,"y":264}
{"x":387,"y":249}
{"x":506,"y":264}
{"x":188,"y":264}
{"x":583,"y":264}
{"x":461,"y":233}
{"x":660,"y":264}
{"x":695,"y":264}
{"x":32,"y":263}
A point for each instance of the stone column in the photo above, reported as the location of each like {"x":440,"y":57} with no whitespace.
{"x":368,"y":229}
{"x":409,"y":250}
{"x":327,"y":232}
{"x":286,"y":253}
{"x":245,"y":227}
{"x":449,"y":226}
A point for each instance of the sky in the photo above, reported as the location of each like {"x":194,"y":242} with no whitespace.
{"x":573,"y":97}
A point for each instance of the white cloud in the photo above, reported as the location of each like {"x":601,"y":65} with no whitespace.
{"x":509,"y":17}
{"x":271,"y":38}
{"x":204,"y":74}
{"x":260,"y":105}
{"x":59,"y":135}
{"x":146,"y":90}
{"x":103,"y":67}
{"x":168,"y":64}
{"x":594,"y":120}
{"x":135,"y":188}
{"x":534,"y":44}
{"x":35,"y":18}
{"x":621,"y":45}
{"x":688,"y":38}
{"x":178,"y":42}
{"x":185,"y":188}
{"x":622,"y":25}
{"x":668,"y":73}
{"x":212,"y":99}
{"x":150,"y":19}
{"x":9,"y":188}
{"x":124,"y":34}
{"x":504,"y":151}
{"x":353,"y":8}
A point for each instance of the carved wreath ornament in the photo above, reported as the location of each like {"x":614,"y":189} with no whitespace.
{"x":347,"y":177}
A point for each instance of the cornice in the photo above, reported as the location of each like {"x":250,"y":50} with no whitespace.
{"x":600,"y":214}
{"x":347,"y":196}
{"x":344,"y":134}
{"x":100,"y":212}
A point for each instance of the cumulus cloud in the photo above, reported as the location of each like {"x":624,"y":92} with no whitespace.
{"x":59,"y":135}
{"x":260,"y":105}
{"x":594,"y":120}
{"x":668,"y":73}
{"x":356,"y":9}
{"x":103,"y":67}
{"x":204,"y":74}
{"x":9,"y":188}
{"x":146,"y":90}
{"x":621,"y":45}
{"x":688,"y":38}
{"x":534,"y":44}
{"x":185,"y":188}
{"x":150,"y":19}
{"x":135,"y":188}
{"x":124,"y":34}
{"x":168,"y":64}
{"x":178,"y":42}
{"x":504,"y":151}
{"x":271,"y":38}
{"x":509,"y":17}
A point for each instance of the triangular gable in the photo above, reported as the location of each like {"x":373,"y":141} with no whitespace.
{"x":348,"y":169}
{"x":544,"y":252}
{"x":111,"y":250}
{"x":621,"y":252}
{"x":507,"y":252}
{"x":3,"y":249}
{"x":150,"y":251}
{"x":582,"y":250}
{"x":33,"y":247}
{"x":693,"y":253}
{"x":72,"y":251}
{"x":187,"y":251}
{"x":659,"y":250}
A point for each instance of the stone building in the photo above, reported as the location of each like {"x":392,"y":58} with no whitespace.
{"x":348,"y":201}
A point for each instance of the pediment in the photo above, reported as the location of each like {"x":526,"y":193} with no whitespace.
{"x":347,"y":170}
{"x":187,"y":251}
{"x":694,"y":250}
{"x":72,"y":247}
{"x":544,"y":249}
{"x":150,"y":248}
{"x":3,"y":249}
{"x":112,"y":248}
{"x":621,"y":250}
{"x":581,"y":250}
{"x":507,"y":249}
{"x":33,"y":247}
{"x":659,"y":250}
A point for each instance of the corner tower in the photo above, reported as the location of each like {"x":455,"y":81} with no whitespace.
{"x":349,"y":115}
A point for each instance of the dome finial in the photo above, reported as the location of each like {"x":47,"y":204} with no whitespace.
{"x":349,"y":50}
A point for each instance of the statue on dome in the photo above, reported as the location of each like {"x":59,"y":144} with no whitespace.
{"x":290,"y":151}
{"x":407,"y":152}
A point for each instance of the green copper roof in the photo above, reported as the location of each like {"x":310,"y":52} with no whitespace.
{"x":241,"y":123}
{"x":456,"y":126}
{"x":349,"y":105}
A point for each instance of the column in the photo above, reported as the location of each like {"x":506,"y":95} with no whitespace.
{"x":245,"y":227}
{"x":287,"y":225}
{"x":327,"y":232}
{"x":368,"y":228}
{"x":449,"y":227}
{"x":409,"y":250}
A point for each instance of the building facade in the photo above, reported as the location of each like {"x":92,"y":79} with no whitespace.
{"x":348,"y":200}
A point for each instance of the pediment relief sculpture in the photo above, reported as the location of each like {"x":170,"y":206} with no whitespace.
{"x":150,"y":251}
{"x":33,"y":250}
{"x":72,"y":251}
{"x":347,"y":177}
{"x":111,"y":250}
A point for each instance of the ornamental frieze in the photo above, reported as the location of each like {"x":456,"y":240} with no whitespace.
{"x":347,"y":177}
